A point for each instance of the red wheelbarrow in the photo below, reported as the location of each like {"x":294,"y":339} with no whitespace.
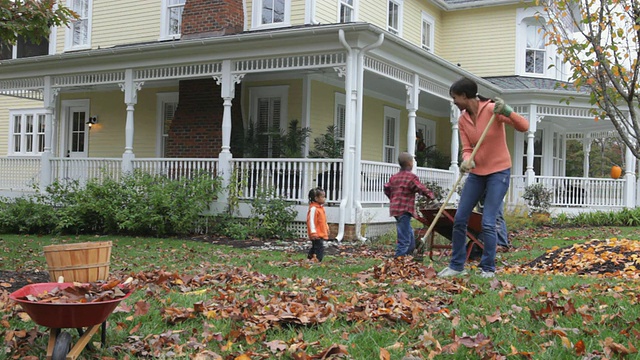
{"x":58,"y":316}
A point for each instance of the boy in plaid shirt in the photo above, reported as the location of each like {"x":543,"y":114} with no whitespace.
{"x":401,"y":191}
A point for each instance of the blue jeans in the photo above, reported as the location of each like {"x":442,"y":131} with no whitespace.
{"x":406,"y":241}
{"x":501,"y":227}
{"x":496,"y":186}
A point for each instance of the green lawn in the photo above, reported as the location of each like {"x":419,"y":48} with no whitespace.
{"x":204,"y":301}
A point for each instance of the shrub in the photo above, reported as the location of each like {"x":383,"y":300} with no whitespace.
{"x":538,"y":198}
{"x":139,"y":204}
{"x":271,"y":215}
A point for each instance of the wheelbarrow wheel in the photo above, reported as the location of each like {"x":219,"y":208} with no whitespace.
{"x":62,"y":346}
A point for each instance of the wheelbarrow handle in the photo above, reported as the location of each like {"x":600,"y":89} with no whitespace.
{"x":453,"y":189}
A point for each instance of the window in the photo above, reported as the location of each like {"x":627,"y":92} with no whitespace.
{"x":347,"y":11}
{"x":166,"y":109}
{"x":269,"y":109}
{"x":391,"y":134}
{"x":271,"y":13}
{"x":394,"y":17}
{"x":79,"y":32}
{"x":427,"y":32}
{"x":27,"y":132}
{"x":340,"y":116}
{"x":535,"y":50}
{"x":558,"y":158}
{"x":24,"y":48}
{"x":171,"y":25}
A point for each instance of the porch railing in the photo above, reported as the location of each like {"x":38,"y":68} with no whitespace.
{"x":177,"y":168}
{"x":290,"y":178}
{"x":19,"y":174}
{"x":83,"y":169}
{"x":580,"y":192}
{"x":376,"y":174}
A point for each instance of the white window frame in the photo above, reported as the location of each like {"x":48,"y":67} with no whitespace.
{"x":354,"y":8}
{"x":524,"y":18}
{"x":340,"y":100}
{"x":164,"y":20}
{"x":68,"y":44}
{"x":256,"y":18}
{"x":390,"y":112}
{"x":162,"y":99}
{"x":396,"y":31}
{"x":427,"y":40}
{"x":23,"y":113}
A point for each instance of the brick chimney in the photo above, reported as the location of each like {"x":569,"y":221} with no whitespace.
{"x":208,"y":18}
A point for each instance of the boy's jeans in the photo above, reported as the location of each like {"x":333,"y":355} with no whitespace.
{"x":406,"y":241}
{"x":496,"y":186}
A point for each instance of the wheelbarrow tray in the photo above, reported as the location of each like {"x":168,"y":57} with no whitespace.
{"x":59,"y":315}
{"x":444,"y":225}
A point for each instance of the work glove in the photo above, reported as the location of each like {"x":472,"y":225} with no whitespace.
{"x":467,"y":165}
{"x":502,"y":108}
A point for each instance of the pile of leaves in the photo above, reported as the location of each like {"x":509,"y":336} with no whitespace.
{"x":79,"y":293}
{"x":601,"y":258}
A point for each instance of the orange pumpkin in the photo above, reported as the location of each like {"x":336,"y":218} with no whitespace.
{"x":616,"y":171}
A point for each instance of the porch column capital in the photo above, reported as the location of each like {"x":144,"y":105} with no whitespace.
{"x":49,"y":93}
{"x":130,"y":87}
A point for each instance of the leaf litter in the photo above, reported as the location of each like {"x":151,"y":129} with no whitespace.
{"x":257,"y":303}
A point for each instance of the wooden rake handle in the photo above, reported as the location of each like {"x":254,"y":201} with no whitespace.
{"x":453,"y":189}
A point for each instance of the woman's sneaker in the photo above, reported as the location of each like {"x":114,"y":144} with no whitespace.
{"x":487,"y":274}
{"x":449,"y":272}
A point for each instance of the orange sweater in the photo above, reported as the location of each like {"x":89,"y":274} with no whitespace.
{"x":493,"y":154}
{"x":317,"y":226}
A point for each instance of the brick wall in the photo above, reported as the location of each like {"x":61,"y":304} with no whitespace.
{"x":206,"y":18}
{"x":196,"y":129}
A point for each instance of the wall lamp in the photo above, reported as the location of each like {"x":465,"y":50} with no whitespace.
{"x":92,"y":120}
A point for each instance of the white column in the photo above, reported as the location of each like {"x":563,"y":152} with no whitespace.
{"x":586,"y":150}
{"x":350,"y":78}
{"x":413,"y":93}
{"x":130,"y":88}
{"x":49,"y":95}
{"x":629,"y":178}
{"x":454,"y":114}
{"x":228,"y":81}
{"x":531,"y":136}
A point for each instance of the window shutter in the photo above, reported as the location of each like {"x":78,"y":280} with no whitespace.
{"x":341,"y":118}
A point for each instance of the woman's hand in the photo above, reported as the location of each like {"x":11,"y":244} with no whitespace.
{"x":502,"y":108}
{"x":467,"y":165}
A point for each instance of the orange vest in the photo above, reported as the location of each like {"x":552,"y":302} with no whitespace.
{"x":317,"y":226}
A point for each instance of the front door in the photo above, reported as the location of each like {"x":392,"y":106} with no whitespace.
{"x":77,"y":145}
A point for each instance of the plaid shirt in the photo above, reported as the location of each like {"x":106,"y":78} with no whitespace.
{"x":401,"y":191}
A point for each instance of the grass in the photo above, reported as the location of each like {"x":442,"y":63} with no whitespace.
{"x":515,"y":315}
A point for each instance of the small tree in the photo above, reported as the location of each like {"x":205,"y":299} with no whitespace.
{"x":600,"y":41}
{"x":31,"y":19}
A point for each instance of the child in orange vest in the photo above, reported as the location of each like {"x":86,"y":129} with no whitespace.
{"x":317,"y":226}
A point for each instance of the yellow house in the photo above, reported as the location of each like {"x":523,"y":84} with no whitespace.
{"x":153,"y":86}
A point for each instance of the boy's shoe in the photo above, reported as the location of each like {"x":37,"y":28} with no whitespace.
{"x":487,"y":274}
{"x":449,"y":272}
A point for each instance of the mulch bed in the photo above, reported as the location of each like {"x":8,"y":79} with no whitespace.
{"x":15,"y":280}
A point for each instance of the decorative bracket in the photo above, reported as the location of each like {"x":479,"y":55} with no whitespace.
{"x":341,"y":70}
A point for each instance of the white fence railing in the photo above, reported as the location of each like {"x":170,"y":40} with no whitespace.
{"x":580,"y":192}
{"x":290,"y":178}
{"x":83,"y":169}
{"x":19,"y":174}
{"x":177,"y":168}
{"x":376,"y":174}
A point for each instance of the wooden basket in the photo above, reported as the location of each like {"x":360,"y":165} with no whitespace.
{"x":80,"y":262}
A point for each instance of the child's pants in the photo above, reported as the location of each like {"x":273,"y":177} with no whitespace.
{"x":406,"y":240}
{"x":317,"y":249}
